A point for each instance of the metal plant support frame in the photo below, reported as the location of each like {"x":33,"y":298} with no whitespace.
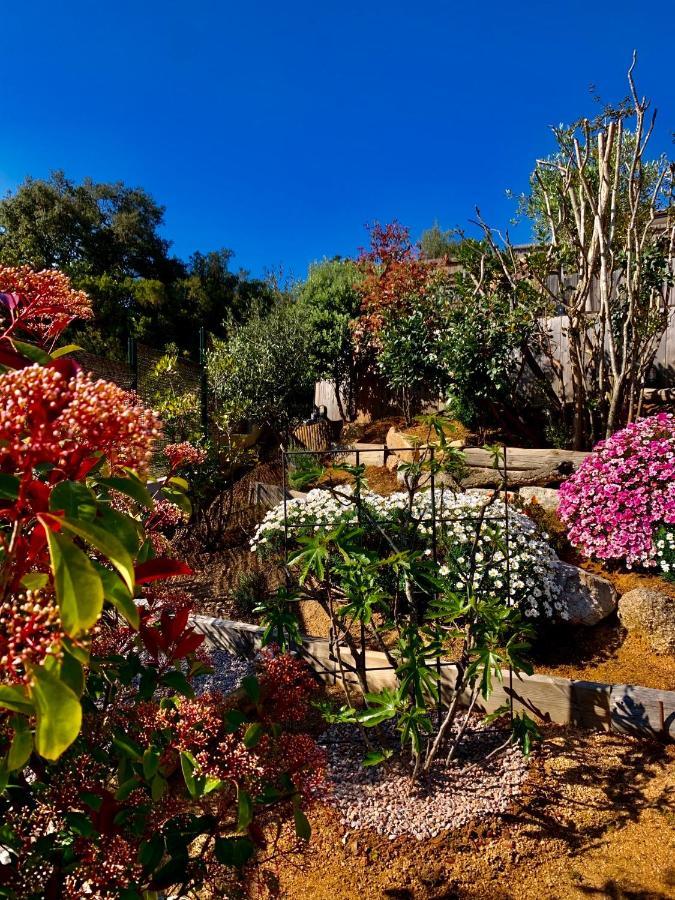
{"x":287,"y":456}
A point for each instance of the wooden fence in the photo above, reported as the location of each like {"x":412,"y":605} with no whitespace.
{"x":624,"y":708}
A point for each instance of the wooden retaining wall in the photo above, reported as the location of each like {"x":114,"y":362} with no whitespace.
{"x":625,"y":708}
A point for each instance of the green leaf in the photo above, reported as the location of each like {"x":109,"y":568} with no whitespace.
{"x":150,"y":852}
{"x":126,"y":788}
{"x":188,"y":765}
{"x":22,"y":744}
{"x":33,"y":581}
{"x":15,"y":698}
{"x":130,"y":487}
{"x":375,"y":757}
{"x":58,"y":714}
{"x":253,"y":734}
{"x":127,"y":530}
{"x":178,"y":682}
{"x":180,"y":482}
{"x":117,"y":593}
{"x":105,"y":543}
{"x":75,"y":499}
{"x":158,"y":787}
{"x":30,"y":351}
{"x":79,"y":591}
{"x":64,"y":351}
{"x":234,"y":851}
{"x":9,"y":486}
{"x":72,"y":674}
{"x":178,"y":497}
{"x":151,"y":759}
{"x":244,"y":811}
{"x":252,"y":687}
{"x":302,"y":827}
{"x":128,"y":747}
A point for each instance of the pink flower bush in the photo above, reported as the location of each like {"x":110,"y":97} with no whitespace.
{"x":623,"y":492}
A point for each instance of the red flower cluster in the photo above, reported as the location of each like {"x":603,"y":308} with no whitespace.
{"x":30,"y":629}
{"x":58,"y":415}
{"x":184,"y":454}
{"x":288,"y":687}
{"x":39,"y":304}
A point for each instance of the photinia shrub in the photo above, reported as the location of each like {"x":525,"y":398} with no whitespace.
{"x":623,"y":493}
{"x":112,"y":768}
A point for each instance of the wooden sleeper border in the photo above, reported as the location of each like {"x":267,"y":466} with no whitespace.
{"x":623,"y":708}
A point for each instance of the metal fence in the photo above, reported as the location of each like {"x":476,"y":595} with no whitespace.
{"x":436,"y":520}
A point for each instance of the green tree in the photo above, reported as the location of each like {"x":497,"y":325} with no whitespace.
{"x":436,"y":243}
{"x":329,"y":302}
{"x":106,"y":237}
{"x":261,"y":373}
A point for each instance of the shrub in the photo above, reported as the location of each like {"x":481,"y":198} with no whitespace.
{"x":533,"y":583}
{"x":112,"y":771}
{"x":261,"y":374}
{"x":623,"y":492}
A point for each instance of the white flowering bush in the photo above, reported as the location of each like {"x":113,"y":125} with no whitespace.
{"x":530,"y":582}
{"x":664,"y":550}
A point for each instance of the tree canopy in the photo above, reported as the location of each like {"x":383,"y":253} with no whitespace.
{"x":107,"y":238}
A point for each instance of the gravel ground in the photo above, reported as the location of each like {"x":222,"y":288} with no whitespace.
{"x":380,"y":797}
{"x":228,"y":672}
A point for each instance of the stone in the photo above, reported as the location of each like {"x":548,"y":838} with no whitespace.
{"x":401,"y":446}
{"x":652,"y":615}
{"x":589,"y":598}
{"x":545,"y":497}
{"x":368,"y":455}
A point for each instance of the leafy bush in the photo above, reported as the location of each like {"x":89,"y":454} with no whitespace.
{"x":261,"y":374}
{"x":112,"y":770}
{"x":533,"y":583}
{"x":368,"y":561}
{"x":622,"y":493}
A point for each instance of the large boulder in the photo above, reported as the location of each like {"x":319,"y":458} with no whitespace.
{"x":589,"y":598}
{"x":651,"y":614}
{"x":546,"y":497}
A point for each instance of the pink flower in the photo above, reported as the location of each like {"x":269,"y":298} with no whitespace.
{"x":623,"y":492}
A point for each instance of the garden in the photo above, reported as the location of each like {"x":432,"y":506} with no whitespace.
{"x":419,"y":643}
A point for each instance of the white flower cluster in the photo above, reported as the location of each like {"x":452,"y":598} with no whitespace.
{"x":665,"y":551}
{"x":528,"y":581}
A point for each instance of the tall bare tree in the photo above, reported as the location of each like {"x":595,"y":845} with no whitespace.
{"x":605,"y":224}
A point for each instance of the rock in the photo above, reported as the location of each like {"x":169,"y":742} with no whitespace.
{"x":545,"y":497}
{"x":368,"y":455}
{"x":401,"y":447}
{"x":651,"y":614}
{"x":589,"y":598}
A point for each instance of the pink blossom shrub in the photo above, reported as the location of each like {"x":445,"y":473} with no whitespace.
{"x":623,"y":493}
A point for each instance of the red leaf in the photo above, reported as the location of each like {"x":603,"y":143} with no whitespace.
{"x":174,"y":625}
{"x":187,"y":644}
{"x":157,"y":569}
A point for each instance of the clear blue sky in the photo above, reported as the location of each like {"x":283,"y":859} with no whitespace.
{"x":279,"y":129}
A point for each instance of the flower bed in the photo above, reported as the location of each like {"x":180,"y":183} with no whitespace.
{"x":532,"y":580}
{"x":622,"y":497}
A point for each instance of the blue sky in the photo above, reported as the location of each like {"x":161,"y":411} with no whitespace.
{"x":280,"y":129}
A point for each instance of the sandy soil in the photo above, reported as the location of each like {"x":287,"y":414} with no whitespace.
{"x":597,"y":820}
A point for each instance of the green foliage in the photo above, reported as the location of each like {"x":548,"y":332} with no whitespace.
{"x":329,"y":302}
{"x":304,"y":469}
{"x":436,"y":243}
{"x":260,"y":373}
{"x":282,"y":627}
{"x":175,"y":401}
{"x":106,"y":237}
{"x":249,"y":590}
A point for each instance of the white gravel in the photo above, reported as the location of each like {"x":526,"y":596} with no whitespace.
{"x":380,"y":797}
{"x":228,"y":672}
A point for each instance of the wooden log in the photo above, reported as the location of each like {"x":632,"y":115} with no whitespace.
{"x":519,"y":477}
{"x":518,"y":458}
{"x":624,"y":708}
